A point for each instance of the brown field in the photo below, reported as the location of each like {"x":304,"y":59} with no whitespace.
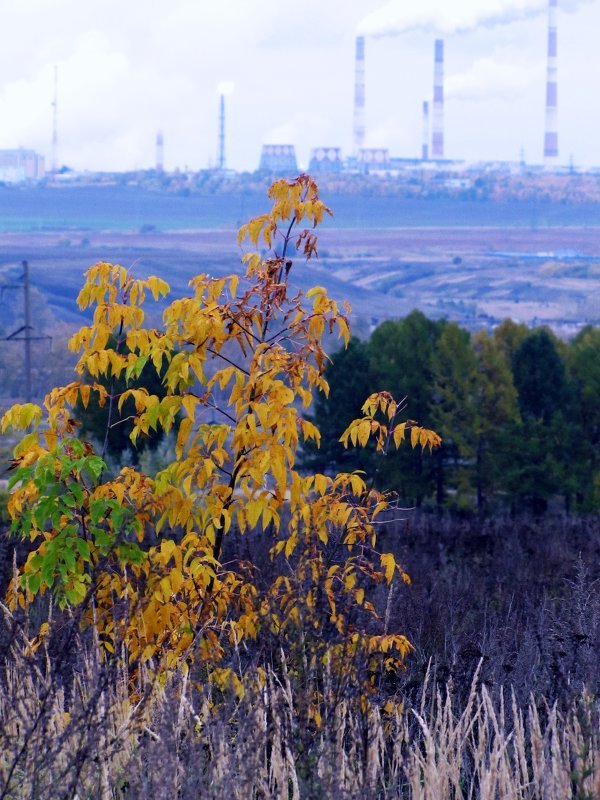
{"x":476,"y":276}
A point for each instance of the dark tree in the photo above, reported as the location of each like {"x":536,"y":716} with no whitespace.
{"x":401,"y":354}
{"x":350,"y":383}
{"x":539,"y":376}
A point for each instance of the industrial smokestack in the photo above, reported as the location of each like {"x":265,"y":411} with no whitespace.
{"x":359,"y":96}
{"x":437,"y":139}
{"x":160,"y":152}
{"x":425,"y":145}
{"x":221,"y":162}
{"x":224,"y":88}
{"x":551,"y":132}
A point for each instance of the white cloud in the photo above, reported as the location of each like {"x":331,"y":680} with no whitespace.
{"x":129,"y":69}
{"x":488,"y":78}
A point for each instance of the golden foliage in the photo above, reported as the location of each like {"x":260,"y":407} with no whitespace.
{"x":148,"y":550}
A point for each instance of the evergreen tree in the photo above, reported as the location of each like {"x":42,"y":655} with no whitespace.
{"x":496,"y":408}
{"x":539,"y":376}
{"x":401,"y":356}
{"x":542,"y":445}
{"x":455,"y":410}
{"x":350,"y":383}
{"x":583,"y":358}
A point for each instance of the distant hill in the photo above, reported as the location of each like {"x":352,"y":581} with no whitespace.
{"x":114,"y":208}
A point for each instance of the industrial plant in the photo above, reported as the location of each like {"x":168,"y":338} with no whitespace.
{"x":279,"y":158}
{"x":378,"y":160}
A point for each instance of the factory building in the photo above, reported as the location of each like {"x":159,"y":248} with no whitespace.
{"x":279,"y":159}
{"x":17,"y":166}
{"x":373,"y":158}
{"x":326,"y":159}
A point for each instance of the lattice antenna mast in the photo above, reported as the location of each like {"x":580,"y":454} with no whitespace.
{"x":55,"y":124}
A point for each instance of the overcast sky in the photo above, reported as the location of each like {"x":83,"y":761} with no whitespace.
{"x":128,"y":68}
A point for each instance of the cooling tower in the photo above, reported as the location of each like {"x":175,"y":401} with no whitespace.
{"x":437,"y":138}
{"x":279,"y":158}
{"x":551,"y":130}
{"x":325,"y":159}
{"x":359,"y":95}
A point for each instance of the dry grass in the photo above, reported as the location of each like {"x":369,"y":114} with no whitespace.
{"x":89,"y":737}
{"x":509,"y":614}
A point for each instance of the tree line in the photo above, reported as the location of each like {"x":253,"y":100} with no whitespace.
{"x":517,"y":410}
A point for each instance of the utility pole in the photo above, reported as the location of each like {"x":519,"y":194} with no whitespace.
{"x":25,"y":329}
{"x":27,"y":332}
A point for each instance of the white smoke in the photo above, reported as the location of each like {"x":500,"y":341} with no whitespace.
{"x":487,"y":78}
{"x":448,"y":16}
{"x":225,"y":88}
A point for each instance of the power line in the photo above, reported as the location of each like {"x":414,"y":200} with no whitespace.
{"x":25,"y":329}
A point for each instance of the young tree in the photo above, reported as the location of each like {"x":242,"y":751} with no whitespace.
{"x":143,"y":556}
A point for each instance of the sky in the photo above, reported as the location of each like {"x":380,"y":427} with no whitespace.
{"x":128,"y":68}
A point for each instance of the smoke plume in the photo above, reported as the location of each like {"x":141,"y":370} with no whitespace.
{"x":446,"y":17}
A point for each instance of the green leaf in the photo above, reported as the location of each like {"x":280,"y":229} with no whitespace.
{"x":95,"y":465}
{"x":48,"y":569}
{"x":83,"y":548}
{"x":69,"y":559}
{"x":98,"y":509}
{"x":33,"y":583}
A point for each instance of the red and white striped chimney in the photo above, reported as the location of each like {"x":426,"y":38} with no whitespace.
{"x":551,"y":131}
{"x":437,"y":138}
{"x":359,"y":95}
{"x":425,"y":144}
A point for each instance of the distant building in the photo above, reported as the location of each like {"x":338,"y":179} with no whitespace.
{"x":278,"y":158}
{"x":374,"y":158}
{"x":325,"y":159}
{"x":17,"y":166}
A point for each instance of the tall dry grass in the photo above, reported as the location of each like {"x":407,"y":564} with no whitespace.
{"x":508,"y":615}
{"x":90,"y":736}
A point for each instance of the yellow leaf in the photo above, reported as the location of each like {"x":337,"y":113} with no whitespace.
{"x":399,"y":432}
{"x":388,"y":563}
{"x":414,"y":436}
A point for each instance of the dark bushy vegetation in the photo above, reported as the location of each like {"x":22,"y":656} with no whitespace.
{"x":500,"y":611}
{"x":517,"y":412}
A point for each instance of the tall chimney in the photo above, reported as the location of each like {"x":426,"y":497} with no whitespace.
{"x":425,"y":145}
{"x":359,"y":95}
{"x":221,"y":160}
{"x":437,"y":139}
{"x":551,"y":132}
{"x":159,"y":152}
